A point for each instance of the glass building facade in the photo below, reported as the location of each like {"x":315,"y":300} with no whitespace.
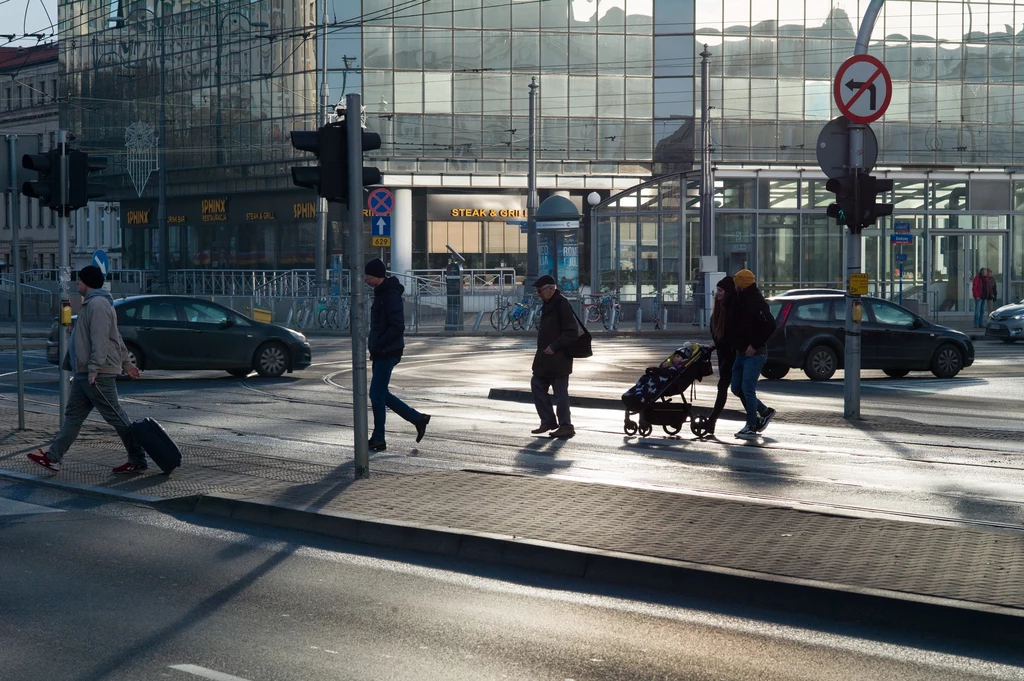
{"x":232,"y":79}
{"x":950,"y":140}
{"x":447,"y":86}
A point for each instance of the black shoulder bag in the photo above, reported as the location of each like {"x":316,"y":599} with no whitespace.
{"x":580,"y":348}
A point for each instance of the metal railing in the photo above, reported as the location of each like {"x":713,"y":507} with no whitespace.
{"x":36,"y":301}
{"x":474,"y":282}
{"x":233,"y":282}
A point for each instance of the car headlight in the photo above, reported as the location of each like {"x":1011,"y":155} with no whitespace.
{"x":296,"y":335}
{"x":1018,"y":316}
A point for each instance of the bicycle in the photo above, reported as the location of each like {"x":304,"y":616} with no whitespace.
{"x":501,"y":316}
{"x":519,"y":314}
{"x":591,"y":310}
{"x":610,"y":311}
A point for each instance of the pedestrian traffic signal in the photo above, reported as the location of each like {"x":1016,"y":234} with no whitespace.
{"x":870,"y":188}
{"x":48,"y":187}
{"x":80,"y":190}
{"x":844,"y":210}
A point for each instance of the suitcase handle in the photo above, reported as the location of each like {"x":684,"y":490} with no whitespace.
{"x":100,"y":393}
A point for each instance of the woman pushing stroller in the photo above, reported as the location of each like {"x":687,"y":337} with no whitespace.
{"x":741,"y":324}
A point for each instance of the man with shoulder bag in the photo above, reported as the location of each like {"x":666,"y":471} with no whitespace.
{"x":552,"y":364}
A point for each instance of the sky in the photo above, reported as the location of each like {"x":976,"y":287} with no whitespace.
{"x":26,"y":16}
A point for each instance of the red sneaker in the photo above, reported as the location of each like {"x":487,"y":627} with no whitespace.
{"x":130,"y":467}
{"x":43,"y":460}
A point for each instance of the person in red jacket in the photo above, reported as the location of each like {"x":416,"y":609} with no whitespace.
{"x":981,"y":295}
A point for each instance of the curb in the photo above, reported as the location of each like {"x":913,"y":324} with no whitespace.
{"x":890,"y":609}
{"x":984,"y":622}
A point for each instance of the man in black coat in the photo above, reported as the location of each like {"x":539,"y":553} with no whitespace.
{"x":386,"y":343}
{"x":551,"y":364}
{"x":749,"y":326}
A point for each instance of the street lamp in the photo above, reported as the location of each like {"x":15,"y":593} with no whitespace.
{"x":220,"y":103}
{"x":163,"y":284}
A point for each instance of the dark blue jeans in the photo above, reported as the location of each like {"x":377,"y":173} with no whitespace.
{"x":381,"y":398}
{"x":980,"y":307}
{"x":745,"y":373}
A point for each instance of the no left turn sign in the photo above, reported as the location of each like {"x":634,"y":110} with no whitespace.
{"x":862,"y":88}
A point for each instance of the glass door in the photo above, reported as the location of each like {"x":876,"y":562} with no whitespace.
{"x":955,"y":260}
{"x":950,"y":282}
{"x":988,"y":250}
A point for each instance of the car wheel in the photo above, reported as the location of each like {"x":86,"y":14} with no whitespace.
{"x":271,"y":359}
{"x":239,"y":373}
{"x":134,"y":356}
{"x":821,"y":363}
{"x":947,"y":361}
{"x":895,"y":373}
{"x":773,"y":371}
{"x":1009,"y":341}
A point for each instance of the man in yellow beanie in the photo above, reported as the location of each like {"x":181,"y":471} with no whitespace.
{"x":748,"y":328}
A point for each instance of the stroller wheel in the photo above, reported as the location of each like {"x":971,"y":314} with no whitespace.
{"x":629,"y":427}
{"x":701,"y":427}
{"x":645,"y":429}
{"x":672,"y":430}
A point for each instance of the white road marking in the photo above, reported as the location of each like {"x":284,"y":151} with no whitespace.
{"x":12,"y":507}
{"x":206,"y":673}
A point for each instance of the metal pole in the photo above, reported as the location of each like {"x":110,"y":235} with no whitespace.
{"x":15,"y":224}
{"x":532,"y":264}
{"x":64,"y":274}
{"x":851,"y":367}
{"x":353,"y":120}
{"x":220,"y":103}
{"x":161,"y":213}
{"x":707,"y":197}
{"x":707,"y":187}
{"x":321,"y":203}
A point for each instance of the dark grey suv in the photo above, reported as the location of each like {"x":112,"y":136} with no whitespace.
{"x":811,"y":332}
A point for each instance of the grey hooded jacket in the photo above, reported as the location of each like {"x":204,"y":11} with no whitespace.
{"x":99,"y":348}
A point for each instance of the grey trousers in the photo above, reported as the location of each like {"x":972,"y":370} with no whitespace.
{"x":80,"y":403}
{"x":546,"y":404}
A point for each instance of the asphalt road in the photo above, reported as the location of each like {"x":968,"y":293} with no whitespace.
{"x":928,"y":448}
{"x":93,"y":590}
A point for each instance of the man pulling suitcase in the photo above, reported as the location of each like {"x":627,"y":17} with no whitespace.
{"x":97,"y":356}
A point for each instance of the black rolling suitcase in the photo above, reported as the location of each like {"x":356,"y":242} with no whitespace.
{"x":152,"y":437}
{"x":159,"y":446}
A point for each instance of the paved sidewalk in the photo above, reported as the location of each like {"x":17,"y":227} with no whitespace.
{"x":964,"y":579}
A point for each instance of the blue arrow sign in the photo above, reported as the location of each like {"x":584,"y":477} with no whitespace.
{"x":380,"y":225}
{"x":99,"y":259}
{"x":901,"y":238}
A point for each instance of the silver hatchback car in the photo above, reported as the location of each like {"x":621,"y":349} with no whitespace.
{"x":1006,"y":323}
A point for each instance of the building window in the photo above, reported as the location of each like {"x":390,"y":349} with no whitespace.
{"x":21,"y":95}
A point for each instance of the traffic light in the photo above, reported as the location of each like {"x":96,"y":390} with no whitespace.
{"x":844,"y":210}
{"x":330,"y":144}
{"x":371,"y":142}
{"x":870,"y":188}
{"x":48,"y":187}
{"x":330,"y":179}
{"x":80,"y":190}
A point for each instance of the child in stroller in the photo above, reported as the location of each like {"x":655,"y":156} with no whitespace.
{"x":652,"y":395}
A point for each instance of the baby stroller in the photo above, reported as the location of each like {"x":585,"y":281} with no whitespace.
{"x":652,"y":395}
